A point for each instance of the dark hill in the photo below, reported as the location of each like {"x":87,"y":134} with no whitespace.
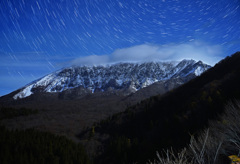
{"x":168,"y":121}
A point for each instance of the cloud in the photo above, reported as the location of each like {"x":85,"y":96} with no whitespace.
{"x":91,"y":60}
{"x":207,"y":53}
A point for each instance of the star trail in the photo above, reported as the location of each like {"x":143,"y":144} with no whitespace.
{"x":41,"y":36}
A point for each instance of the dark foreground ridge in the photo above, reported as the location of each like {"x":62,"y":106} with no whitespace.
{"x":168,"y":121}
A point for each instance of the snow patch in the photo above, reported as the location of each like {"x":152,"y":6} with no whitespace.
{"x":198,"y":71}
{"x":24,"y":93}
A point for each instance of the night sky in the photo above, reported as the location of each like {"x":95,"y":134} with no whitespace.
{"x":38,"y":37}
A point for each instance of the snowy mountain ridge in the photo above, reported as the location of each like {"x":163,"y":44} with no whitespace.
{"x":131,"y":76}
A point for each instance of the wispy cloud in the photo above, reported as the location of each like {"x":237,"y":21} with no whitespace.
{"x":207,"y":53}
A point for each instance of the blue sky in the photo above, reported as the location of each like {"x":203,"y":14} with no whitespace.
{"x":39,"y":37}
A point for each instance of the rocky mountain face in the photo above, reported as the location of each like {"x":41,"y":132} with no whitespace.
{"x":124,"y":77}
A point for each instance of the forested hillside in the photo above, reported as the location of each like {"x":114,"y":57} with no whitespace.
{"x":31,"y":146}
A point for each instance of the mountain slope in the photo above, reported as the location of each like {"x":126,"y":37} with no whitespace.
{"x":129,"y":77}
{"x":167,"y":121}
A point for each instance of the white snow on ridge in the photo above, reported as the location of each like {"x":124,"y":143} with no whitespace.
{"x":24,"y":93}
{"x":119,"y":76}
{"x":199,"y":71}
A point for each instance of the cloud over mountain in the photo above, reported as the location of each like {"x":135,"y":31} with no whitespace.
{"x":150,"y":52}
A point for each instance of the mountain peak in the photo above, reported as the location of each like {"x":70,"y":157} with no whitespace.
{"x":119,"y":76}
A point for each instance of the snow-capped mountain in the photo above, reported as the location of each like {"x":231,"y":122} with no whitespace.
{"x":130,"y":76}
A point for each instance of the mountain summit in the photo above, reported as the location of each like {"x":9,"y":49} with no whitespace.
{"x":130,"y":77}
